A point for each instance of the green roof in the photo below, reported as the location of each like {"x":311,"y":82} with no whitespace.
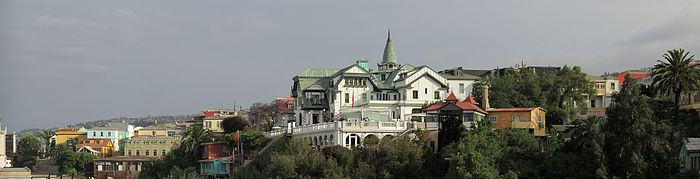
{"x":389,"y":54}
{"x":460,"y":77}
{"x":318,"y":73}
{"x":591,"y":77}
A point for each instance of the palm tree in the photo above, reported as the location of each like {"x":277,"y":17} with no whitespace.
{"x":193,"y":136}
{"x":46,"y":135}
{"x":678,"y":74}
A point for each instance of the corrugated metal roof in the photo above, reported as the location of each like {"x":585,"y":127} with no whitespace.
{"x":693,"y":144}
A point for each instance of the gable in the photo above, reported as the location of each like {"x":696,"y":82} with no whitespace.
{"x":422,"y":72}
{"x":356,"y":69}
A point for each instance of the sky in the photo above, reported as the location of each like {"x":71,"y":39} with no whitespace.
{"x":64,"y":62}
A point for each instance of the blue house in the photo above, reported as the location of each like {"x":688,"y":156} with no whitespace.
{"x":106,"y":133}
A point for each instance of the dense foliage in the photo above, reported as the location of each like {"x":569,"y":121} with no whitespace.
{"x":562,"y":92}
{"x":233,"y":124}
{"x":75,"y":163}
{"x":28,"y":149}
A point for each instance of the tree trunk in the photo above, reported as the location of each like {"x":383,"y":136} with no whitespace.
{"x":677,"y":110}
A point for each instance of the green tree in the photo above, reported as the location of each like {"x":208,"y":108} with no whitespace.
{"x":475,"y":155}
{"x":636,"y":144}
{"x":28,"y":149}
{"x":587,"y":143}
{"x":75,"y":163}
{"x":192,"y":137}
{"x":565,"y":92}
{"x":46,"y":136}
{"x":514,"y":89}
{"x":676,"y":75}
{"x":233,"y":124}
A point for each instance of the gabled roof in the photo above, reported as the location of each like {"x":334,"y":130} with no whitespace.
{"x":282,"y":105}
{"x":318,"y":73}
{"x":470,"y":100}
{"x":451,"y":97}
{"x":462,"y":105}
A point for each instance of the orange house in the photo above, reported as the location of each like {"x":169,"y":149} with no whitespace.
{"x":528,"y":118}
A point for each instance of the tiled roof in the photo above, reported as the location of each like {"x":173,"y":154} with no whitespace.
{"x":511,"y":109}
{"x":282,"y":105}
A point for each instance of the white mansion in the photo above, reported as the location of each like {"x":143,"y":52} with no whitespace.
{"x":343,"y":106}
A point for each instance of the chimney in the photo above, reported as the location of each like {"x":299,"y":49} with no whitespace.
{"x":485,"y":98}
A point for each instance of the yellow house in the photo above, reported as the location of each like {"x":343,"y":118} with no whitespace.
{"x":69,"y":136}
{"x":214,"y":123}
{"x":160,"y":130}
{"x":528,"y":118}
{"x":99,"y":147}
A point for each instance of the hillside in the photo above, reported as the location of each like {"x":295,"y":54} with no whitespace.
{"x":141,"y":121}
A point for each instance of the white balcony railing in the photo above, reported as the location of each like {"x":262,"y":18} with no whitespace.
{"x":348,"y":126}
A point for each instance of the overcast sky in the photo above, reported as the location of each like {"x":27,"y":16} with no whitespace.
{"x":64,"y":62}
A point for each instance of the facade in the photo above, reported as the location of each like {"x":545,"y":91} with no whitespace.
{"x":214,"y":123}
{"x":70,"y":136}
{"x":285,"y":109}
{"x":125,"y":167}
{"x":604,"y":89}
{"x":344,"y":106}
{"x":151,"y":145}
{"x":160,"y":130}
{"x":3,"y":143}
{"x":527,"y":118}
{"x":459,"y":82}
{"x":216,"y":157}
{"x":99,"y":147}
{"x":448,"y":116}
{"x":16,"y":173}
{"x":106,"y":133}
{"x":392,"y":93}
{"x":689,"y":156}
{"x":10,"y":147}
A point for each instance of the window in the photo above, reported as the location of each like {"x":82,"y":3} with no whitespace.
{"x":516,"y":118}
{"x":493,"y":119}
{"x":137,"y":152}
{"x":109,"y":134}
{"x":102,"y":134}
{"x":146,"y":143}
{"x":426,"y":90}
{"x":364,"y":96}
{"x":395,"y":97}
{"x":163,"y":153}
{"x":147,"y":152}
{"x":129,"y":152}
{"x":592,"y":103}
{"x":461,"y":88}
{"x":415,"y":94}
{"x":612,"y":86}
{"x":347,"y":97}
{"x":290,"y":106}
{"x":437,"y":95}
{"x":155,"y":153}
{"x":94,"y":133}
{"x":539,"y":118}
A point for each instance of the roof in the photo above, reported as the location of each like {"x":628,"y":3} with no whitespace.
{"x":471,"y":100}
{"x":451,"y":97}
{"x":25,"y":169}
{"x":692,"y":144}
{"x":282,"y":105}
{"x":134,"y":138}
{"x":636,"y":74}
{"x":318,"y":73}
{"x":512,"y":109}
{"x":220,"y":158}
{"x":104,"y":128}
{"x":592,"y":78}
{"x":129,"y":158}
{"x":463,"y":105}
{"x":389,"y":55}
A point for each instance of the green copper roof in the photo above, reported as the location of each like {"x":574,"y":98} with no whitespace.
{"x":389,"y":54}
{"x":318,"y":73}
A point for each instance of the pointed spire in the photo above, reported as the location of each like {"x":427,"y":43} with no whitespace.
{"x":389,"y":54}
{"x":451,"y":97}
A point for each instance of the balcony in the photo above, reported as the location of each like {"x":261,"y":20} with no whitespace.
{"x":347,"y":126}
{"x":526,"y":125}
{"x":314,"y":103}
